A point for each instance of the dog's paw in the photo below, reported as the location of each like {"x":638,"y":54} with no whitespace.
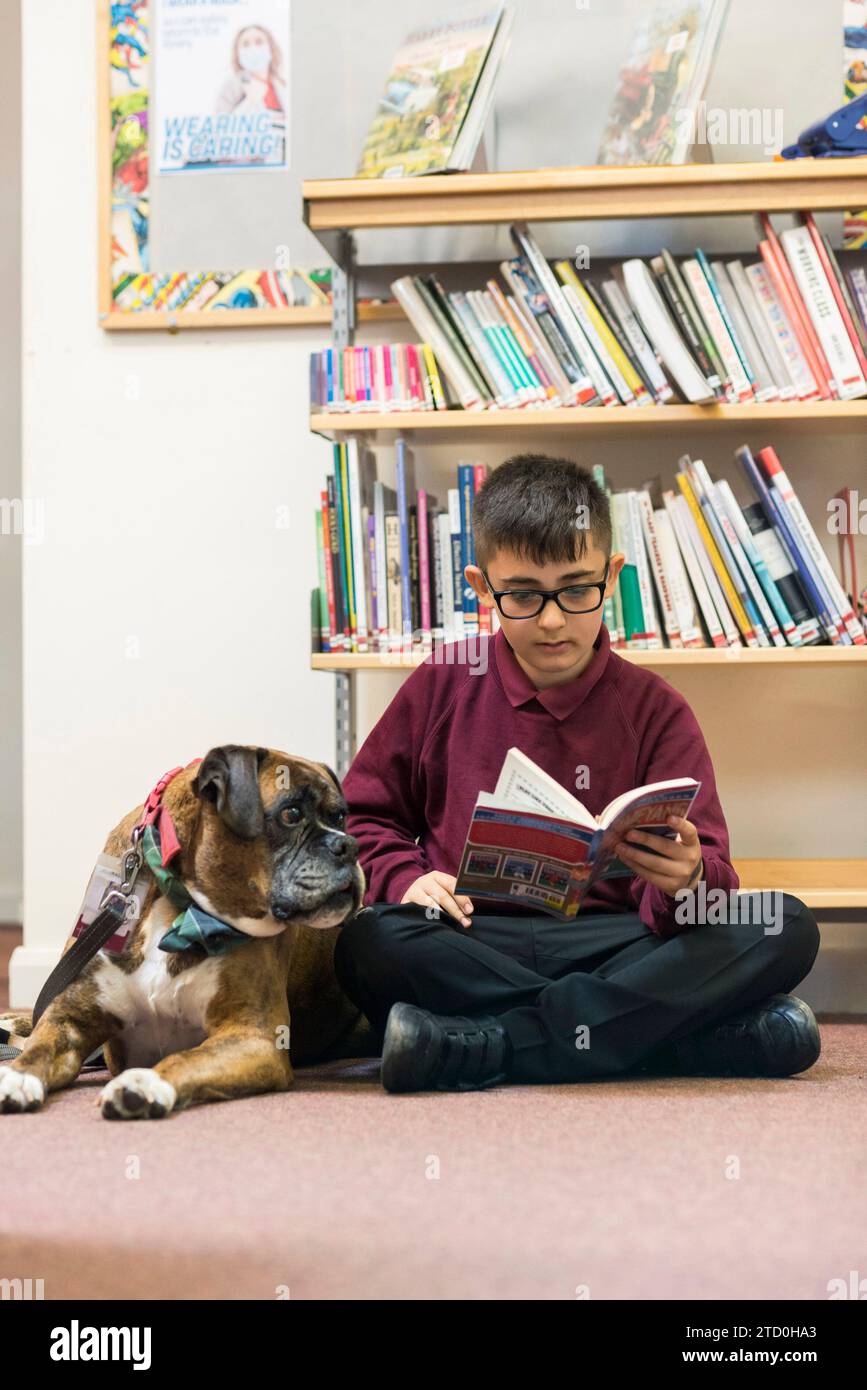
{"x":137,"y":1094}
{"x":19,"y":1090}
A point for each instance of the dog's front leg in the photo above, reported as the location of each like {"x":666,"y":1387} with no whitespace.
{"x":227,"y":1065}
{"x":71,"y":1028}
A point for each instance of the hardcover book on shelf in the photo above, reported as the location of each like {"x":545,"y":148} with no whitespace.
{"x":437,"y":97}
{"x":660,"y":328}
{"x":652,"y":115}
{"x":532,"y":843}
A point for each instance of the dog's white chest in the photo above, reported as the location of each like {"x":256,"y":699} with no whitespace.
{"x":161,"y":1013}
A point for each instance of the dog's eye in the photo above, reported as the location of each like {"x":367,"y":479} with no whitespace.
{"x":339,"y":817}
{"x":290,"y":815}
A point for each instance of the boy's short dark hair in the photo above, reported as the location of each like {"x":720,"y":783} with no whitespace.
{"x":530,"y":505}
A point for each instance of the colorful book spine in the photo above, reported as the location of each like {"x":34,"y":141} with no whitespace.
{"x":778,"y":517}
{"x":838,"y":600}
{"x":722,"y":574}
{"x":469,"y":602}
{"x":424,"y":568}
{"x":405,"y":492}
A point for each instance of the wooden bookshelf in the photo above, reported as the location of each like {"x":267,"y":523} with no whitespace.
{"x":828,"y":657}
{"x":336,"y":208}
{"x":827,"y":415}
{"x":592,"y":191}
{"x":820,"y":883}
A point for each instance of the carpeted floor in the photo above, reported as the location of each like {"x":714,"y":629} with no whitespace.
{"x":662,"y":1188}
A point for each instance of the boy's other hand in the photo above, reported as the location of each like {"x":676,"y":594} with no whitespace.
{"x":677,"y":863}
{"x":438,"y":890}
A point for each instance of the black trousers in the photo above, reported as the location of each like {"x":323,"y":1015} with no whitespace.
{"x":597,"y":996}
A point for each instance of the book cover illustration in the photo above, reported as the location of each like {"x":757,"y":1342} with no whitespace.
{"x":531,"y":842}
{"x":427,"y":97}
{"x":651,"y":119}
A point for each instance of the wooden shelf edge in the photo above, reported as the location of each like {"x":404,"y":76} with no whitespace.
{"x":707,"y":656}
{"x":820,"y":883}
{"x":594,"y":191}
{"x":842,"y":413}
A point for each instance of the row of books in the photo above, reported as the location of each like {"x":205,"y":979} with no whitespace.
{"x":392,"y":560}
{"x":704,"y":571}
{"x":700,"y":570}
{"x":389,"y":376}
{"x":791,"y":326}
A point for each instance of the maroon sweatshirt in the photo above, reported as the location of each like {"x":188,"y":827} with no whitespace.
{"x":413,"y":785}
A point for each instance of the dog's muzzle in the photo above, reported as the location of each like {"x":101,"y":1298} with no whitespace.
{"x":327,"y":879}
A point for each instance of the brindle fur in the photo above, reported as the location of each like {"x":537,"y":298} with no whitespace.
{"x":264,"y":985}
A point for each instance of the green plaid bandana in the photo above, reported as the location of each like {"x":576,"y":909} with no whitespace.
{"x":192,"y":926}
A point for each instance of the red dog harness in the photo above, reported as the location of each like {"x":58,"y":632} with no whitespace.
{"x":155,"y":813}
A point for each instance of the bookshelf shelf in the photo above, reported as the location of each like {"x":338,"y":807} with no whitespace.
{"x":336,"y":209}
{"x":820,"y":883}
{"x":561,"y":195}
{"x":848,"y":657}
{"x":828,"y":415}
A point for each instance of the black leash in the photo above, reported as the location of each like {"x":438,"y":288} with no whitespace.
{"x":104,"y":925}
{"x":83,"y":949}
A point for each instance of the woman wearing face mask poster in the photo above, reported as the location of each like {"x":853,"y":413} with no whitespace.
{"x":256,"y":84}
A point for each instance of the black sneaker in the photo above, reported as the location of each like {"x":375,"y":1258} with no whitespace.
{"x":778,"y":1037}
{"x":428,"y":1052}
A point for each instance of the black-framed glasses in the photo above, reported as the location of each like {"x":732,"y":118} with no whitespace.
{"x":528,"y":603}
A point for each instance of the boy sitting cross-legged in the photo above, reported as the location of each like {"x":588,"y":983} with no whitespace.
{"x":464,"y":997}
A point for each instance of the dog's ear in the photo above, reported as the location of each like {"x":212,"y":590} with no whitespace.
{"x":229,"y":778}
{"x":333,"y":776}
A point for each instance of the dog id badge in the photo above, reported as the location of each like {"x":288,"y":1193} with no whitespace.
{"x":107,"y":874}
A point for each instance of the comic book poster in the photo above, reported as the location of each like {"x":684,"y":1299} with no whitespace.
{"x":221,"y":90}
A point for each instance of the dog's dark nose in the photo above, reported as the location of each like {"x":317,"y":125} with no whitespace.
{"x":341,"y":846}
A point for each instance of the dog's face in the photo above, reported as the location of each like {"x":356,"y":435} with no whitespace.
{"x":271,"y":844}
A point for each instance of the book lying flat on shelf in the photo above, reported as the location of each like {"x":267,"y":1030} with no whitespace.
{"x":531,"y":842}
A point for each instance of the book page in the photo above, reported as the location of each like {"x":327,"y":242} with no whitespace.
{"x":522,"y":783}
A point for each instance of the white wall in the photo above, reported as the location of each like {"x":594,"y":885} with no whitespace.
{"x":10,"y":464}
{"x":165,"y":610}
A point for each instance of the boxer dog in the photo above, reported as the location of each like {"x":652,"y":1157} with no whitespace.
{"x":262,"y":848}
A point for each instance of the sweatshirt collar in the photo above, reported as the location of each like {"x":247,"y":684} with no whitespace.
{"x":558,"y":700}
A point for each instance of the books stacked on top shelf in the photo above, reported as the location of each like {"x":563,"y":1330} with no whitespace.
{"x":701,"y":570}
{"x":392,"y":560}
{"x":437,"y":97}
{"x":790,"y":326}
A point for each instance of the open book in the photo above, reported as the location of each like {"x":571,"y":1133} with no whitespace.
{"x":531,"y":842}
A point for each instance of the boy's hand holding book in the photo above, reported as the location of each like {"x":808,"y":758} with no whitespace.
{"x":531,"y":842}
{"x":671,"y":865}
{"x":438,"y":890}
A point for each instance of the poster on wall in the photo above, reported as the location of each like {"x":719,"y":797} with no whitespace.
{"x":222,"y":98}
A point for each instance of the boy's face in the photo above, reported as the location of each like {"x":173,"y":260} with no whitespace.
{"x":553,"y":646}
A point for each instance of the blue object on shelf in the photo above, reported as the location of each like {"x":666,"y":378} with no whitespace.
{"x":838,"y":134}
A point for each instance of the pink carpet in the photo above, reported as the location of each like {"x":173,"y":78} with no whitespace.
{"x":620,"y":1185}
